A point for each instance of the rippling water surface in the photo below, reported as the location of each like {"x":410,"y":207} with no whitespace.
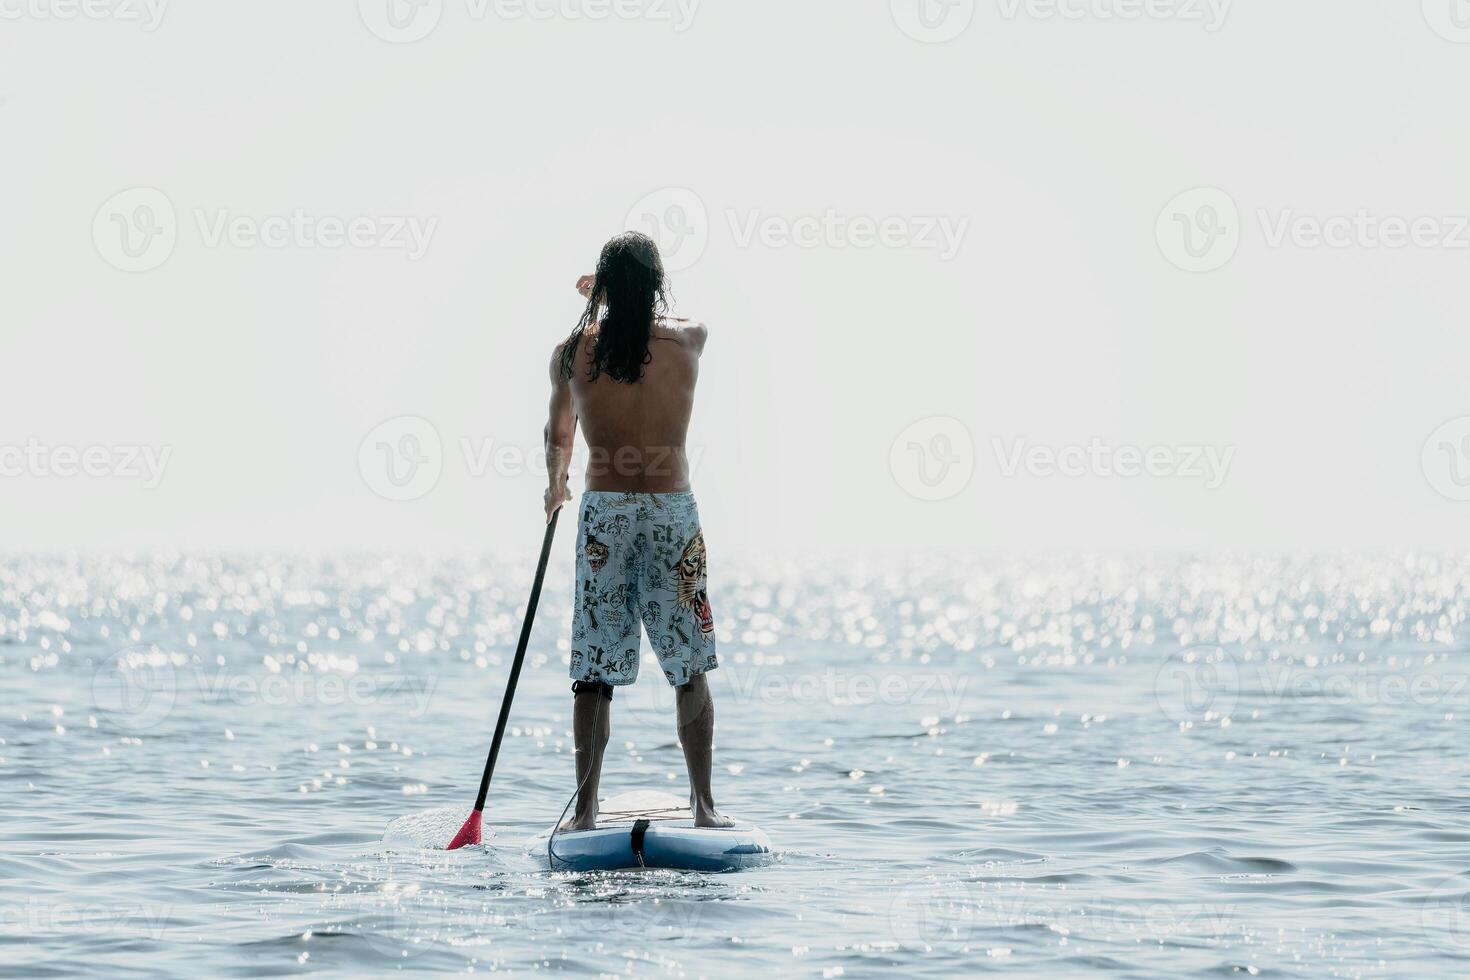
{"x":1056,"y":767}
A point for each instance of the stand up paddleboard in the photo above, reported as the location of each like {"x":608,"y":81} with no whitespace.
{"x":649,"y":829}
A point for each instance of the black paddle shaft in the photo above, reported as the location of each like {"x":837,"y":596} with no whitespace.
{"x":515,"y":668}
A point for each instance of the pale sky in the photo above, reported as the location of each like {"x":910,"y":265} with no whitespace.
{"x":986,"y":233}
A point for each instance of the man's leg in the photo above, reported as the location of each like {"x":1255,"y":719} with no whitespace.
{"x":697,"y":735}
{"x":591,"y":724}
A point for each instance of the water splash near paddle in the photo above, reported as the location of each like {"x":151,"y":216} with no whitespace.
{"x":428,"y":829}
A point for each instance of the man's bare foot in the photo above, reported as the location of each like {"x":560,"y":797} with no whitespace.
{"x":705,"y":815}
{"x":578,"y":821}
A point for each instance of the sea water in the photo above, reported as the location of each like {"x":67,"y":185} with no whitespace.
{"x":1054,"y":767}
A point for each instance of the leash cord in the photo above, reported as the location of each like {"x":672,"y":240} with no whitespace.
{"x":551,"y":857}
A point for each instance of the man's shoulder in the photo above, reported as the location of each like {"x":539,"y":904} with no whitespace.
{"x":691,"y":333}
{"x":559,"y":358}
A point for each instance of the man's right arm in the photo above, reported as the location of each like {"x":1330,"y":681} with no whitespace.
{"x":561,"y":432}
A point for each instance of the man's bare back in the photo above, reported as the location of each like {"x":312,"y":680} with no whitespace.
{"x":636,"y":431}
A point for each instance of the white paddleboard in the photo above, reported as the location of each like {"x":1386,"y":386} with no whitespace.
{"x":650,"y":829}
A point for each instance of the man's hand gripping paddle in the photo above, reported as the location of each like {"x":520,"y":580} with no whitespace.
{"x":470,"y":832}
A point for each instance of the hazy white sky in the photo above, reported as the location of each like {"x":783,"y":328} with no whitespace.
{"x":1224,"y":243}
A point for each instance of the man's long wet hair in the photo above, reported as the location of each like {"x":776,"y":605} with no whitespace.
{"x":630,"y":283}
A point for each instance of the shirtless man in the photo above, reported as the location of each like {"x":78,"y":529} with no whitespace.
{"x":627,"y":373}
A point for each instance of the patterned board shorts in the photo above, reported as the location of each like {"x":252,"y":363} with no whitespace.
{"x":640,"y":559}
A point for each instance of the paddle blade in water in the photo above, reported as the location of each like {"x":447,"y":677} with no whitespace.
{"x":468,"y":834}
{"x":433,"y":829}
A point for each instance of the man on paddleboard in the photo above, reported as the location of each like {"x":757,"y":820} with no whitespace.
{"x":627,"y":373}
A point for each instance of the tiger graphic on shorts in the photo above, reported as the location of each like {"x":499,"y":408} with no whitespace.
{"x":693,"y":592}
{"x":597,"y":554}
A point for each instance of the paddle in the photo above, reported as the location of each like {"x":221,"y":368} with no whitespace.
{"x":470,"y":832}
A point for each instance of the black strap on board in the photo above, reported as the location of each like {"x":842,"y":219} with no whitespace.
{"x":640,"y":827}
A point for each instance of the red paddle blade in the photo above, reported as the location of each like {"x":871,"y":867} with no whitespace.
{"x":468,"y":834}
